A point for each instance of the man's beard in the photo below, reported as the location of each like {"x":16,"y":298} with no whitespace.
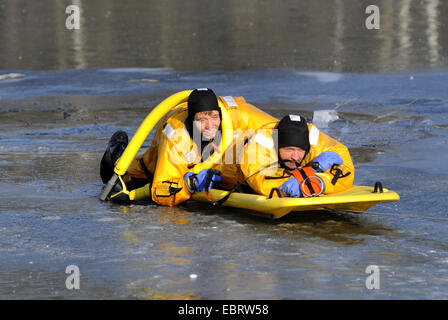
{"x":290,"y":164}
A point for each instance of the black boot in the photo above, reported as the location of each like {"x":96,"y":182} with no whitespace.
{"x":117,"y":144}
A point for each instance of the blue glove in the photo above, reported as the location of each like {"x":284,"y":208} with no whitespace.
{"x":291,"y":188}
{"x":196,"y":182}
{"x":201,"y":178}
{"x":327,"y":159}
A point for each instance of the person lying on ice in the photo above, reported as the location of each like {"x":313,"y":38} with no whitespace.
{"x":296,"y":159}
{"x":190,"y":140}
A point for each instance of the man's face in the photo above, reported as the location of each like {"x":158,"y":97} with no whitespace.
{"x":208,"y":122}
{"x":291,"y":156}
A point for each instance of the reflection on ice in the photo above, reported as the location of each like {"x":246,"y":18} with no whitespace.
{"x":139,"y":70}
{"x":323,"y":76}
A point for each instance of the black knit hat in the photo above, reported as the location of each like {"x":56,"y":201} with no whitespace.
{"x":293,"y":132}
{"x":201,"y":100}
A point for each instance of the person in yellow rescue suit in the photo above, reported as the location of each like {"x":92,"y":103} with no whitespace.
{"x":189,"y":141}
{"x":284,"y":148}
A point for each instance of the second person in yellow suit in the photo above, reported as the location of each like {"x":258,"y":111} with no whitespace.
{"x":277,"y":149}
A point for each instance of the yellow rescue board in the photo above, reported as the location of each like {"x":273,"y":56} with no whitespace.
{"x":356,"y":199}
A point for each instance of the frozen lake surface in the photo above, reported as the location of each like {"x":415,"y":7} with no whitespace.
{"x":55,"y":126}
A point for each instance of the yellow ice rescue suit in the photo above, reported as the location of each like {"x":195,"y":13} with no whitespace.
{"x":173,"y":153}
{"x":260,"y":165}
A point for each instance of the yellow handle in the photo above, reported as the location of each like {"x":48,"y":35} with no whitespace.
{"x":145,"y":128}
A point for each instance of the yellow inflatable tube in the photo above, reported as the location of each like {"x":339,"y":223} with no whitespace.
{"x":140,"y":136}
{"x":145,"y":128}
{"x":140,"y":193}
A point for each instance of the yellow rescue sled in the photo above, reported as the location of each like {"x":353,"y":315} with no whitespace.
{"x":356,"y":199}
